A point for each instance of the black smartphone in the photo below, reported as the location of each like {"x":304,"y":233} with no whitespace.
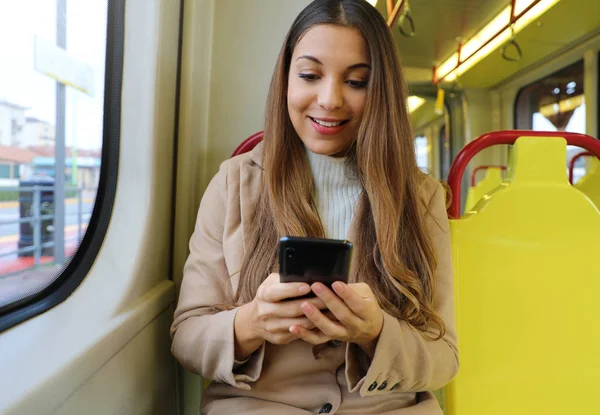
{"x":310,"y":260}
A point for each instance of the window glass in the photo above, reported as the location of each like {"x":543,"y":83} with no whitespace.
{"x":422,"y":152}
{"x":432,"y":143}
{"x":555,"y":103}
{"x":51,"y":116}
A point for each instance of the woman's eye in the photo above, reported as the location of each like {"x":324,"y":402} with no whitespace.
{"x":357,"y":84}
{"x":308,"y":76}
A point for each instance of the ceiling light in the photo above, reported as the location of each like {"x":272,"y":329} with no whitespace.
{"x":540,"y":7}
{"x":498,"y":24}
{"x":496,"y":33}
{"x":414,"y":102}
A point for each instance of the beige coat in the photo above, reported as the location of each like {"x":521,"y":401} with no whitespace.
{"x":288,"y":379}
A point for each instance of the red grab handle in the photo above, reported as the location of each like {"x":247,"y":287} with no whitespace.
{"x":483,"y":167}
{"x":573,"y":160}
{"x":505,"y":137}
{"x":249,"y":143}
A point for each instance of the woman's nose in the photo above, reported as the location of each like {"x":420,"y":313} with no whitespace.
{"x":330,"y":96}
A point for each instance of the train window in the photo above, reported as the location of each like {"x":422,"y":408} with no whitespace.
{"x":432,"y":140}
{"x":422,"y":152}
{"x":58,"y":139}
{"x":555,"y":103}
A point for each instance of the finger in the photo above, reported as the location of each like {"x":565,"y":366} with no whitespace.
{"x":293,"y":308}
{"x":359,"y":303}
{"x":316,"y":301}
{"x":277,"y":291}
{"x":283,"y":325}
{"x":314,"y":337}
{"x":336,"y":305}
{"x":333,"y":329}
{"x":281,"y":338}
{"x":330,"y":315}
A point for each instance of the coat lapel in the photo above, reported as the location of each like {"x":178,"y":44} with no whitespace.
{"x":250,"y":187}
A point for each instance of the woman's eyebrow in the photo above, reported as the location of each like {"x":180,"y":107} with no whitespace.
{"x":355,"y":66}
{"x":310,"y":58}
{"x":359,"y":65}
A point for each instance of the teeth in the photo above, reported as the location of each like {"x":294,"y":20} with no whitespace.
{"x":327,"y":124}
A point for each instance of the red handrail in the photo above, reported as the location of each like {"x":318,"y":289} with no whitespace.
{"x":573,"y":160}
{"x":394,"y":11}
{"x":249,"y":143}
{"x":483,"y":167}
{"x":505,"y":137}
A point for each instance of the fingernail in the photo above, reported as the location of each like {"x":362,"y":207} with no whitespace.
{"x":307,"y":308}
{"x":317,"y":288}
{"x":338,"y":287}
{"x":304,"y":289}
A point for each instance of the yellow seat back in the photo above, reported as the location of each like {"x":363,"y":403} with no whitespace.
{"x":527,"y":293}
{"x":590,"y":183}
{"x":492,"y":179}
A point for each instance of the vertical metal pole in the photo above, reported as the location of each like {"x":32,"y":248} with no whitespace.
{"x":79,"y":211}
{"x":37,"y":225}
{"x":60,"y":150}
{"x":74,"y":173}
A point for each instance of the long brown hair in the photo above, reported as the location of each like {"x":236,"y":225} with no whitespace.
{"x":394,"y":252}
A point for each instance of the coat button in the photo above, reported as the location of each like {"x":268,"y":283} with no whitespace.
{"x":325,"y":409}
{"x":395,"y":386}
{"x":382,"y":386}
{"x":372,"y":387}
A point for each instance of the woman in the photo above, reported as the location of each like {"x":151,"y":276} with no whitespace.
{"x":337,"y":161}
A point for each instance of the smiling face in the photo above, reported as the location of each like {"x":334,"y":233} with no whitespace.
{"x":327,"y":88}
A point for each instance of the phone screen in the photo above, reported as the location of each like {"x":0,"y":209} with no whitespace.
{"x":310,"y":260}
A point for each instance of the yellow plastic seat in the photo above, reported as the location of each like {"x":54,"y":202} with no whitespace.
{"x":590,"y":183}
{"x":527,"y":287}
{"x":205,"y":383}
{"x":493,"y":178}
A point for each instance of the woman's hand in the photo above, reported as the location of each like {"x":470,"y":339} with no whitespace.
{"x":268,"y":318}
{"x":359,"y":317}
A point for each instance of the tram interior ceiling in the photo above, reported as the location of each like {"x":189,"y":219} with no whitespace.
{"x":483,"y":43}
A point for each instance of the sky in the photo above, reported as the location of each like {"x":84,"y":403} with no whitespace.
{"x":576,"y":123}
{"x":20,"y":83}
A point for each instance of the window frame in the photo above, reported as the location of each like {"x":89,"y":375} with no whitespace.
{"x":76,"y":270}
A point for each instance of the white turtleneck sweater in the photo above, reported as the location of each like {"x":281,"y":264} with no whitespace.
{"x":336,"y":193}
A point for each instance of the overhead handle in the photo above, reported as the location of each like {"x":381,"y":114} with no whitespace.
{"x":411,"y":23}
{"x":511,"y":51}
